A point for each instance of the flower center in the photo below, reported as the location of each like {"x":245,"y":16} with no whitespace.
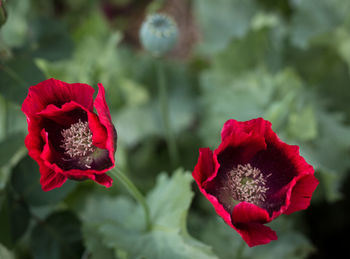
{"x":77,"y":142}
{"x":243,"y":183}
{"x":161,"y":25}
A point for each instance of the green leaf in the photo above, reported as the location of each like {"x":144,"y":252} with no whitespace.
{"x":136,"y":123}
{"x":296,"y":113}
{"x":303,"y":125}
{"x":291,"y":245}
{"x":50,"y":40}
{"x":313,"y":18}
{"x":17,"y":75}
{"x":233,"y":22}
{"x":5,"y":253}
{"x":94,"y":25}
{"x":58,"y":237}
{"x":342,"y":41}
{"x":121,"y":222}
{"x":101,"y":64}
{"x":10,"y":146}
{"x":329,"y":153}
{"x":14,"y":218}
{"x":168,"y":209}
{"x":11,"y":150}
{"x":226,"y":96}
{"x":134,"y":93}
{"x":26,"y":182}
{"x":94,"y":244}
{"x":13,"y":120}
{"x":226,"y":242}
{"x":14,"y":32}
{"x":325,"y":72}
{"x":261,"y":46}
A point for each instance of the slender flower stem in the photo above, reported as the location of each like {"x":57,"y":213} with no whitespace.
{"x":5,"y":121}
{"x":164,"y":109}
{"x":135,"y":193}
{"x":240,"y":249}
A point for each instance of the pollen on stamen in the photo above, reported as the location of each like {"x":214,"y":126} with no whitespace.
{"x":77,"y":143}
{"x":243,"y":183}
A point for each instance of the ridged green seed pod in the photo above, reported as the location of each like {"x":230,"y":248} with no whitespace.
{"x":159,"y":34}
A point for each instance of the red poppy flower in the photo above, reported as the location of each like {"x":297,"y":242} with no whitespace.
{"x":65,"y":137}
{"x":253,"y":177}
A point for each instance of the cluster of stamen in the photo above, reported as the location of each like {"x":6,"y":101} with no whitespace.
{"x":77,"y":143}
{"x":243,"y":183}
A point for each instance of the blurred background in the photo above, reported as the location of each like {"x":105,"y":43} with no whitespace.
{"x":287,"y":61}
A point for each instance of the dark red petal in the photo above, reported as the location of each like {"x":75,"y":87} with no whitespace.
{"x":219,"y":209}
{"x":46,"y":154}
{"x":99,"y":132}
{"x":239,"y":148}
{"x":256,"y":234}
{"x":33,"y":140}
{"x":104,"y":179}
{"x":65,"y":115}
{"x":203,"y":172}
{"x":240,"y":142}
{"x":55,"y":119}
{"x":50,"y":179}
{"x":286,"y":165}
{"x":56,"y":92}
{"x":99,"y":177}
{"x":278,"y":162}
{"x":69,"y":113}
{"x":48,"y":158}
{"x":53,"y":160}
{"x":53,"y":105}
{"x":290,"y":154}
{"x":106,"y":120}
{"x":246,"y":212}
{"x":255,"y":126}
{"x":248,"y":219}
{"x":35,"y":143}
{"x":302,"y":193}
{"x":205,"y":167}
{"x":291,"y":182}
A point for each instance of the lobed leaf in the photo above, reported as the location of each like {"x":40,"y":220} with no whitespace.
{"x":122,"y":227}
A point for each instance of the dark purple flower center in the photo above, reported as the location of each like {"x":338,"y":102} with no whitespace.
{"x":243,"y":183}
{"x":77,"y":143}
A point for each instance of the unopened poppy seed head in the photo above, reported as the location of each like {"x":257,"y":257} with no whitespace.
{"x":158,"y":34}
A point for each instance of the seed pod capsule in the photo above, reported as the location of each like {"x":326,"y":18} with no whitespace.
{"x":159,"y":34}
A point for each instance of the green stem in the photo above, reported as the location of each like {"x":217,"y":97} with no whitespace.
{"x":164,"y":109}
{"x":135,"y":193}
{"x":240,"y":249}
{"x":6,"y":119}
{"x":5,"y":122}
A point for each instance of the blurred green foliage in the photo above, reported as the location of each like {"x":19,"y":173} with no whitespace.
{"x":119,"y":223}
{"x":286,"y":61}
{"x":57,"y":236}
